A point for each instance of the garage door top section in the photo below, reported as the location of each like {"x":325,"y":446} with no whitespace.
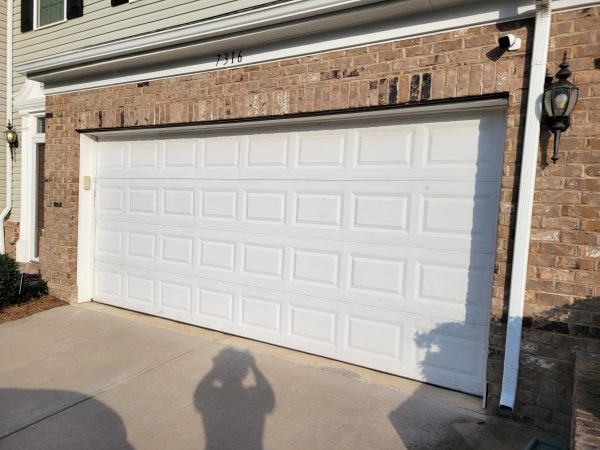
{"x":462,"y":149}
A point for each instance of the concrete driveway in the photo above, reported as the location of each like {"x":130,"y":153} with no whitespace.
{"x":95,"y":377}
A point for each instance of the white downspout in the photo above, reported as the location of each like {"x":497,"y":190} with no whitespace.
{"x":539,"y":59}
{"x":9,"y":112}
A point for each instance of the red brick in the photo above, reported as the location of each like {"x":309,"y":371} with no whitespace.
{"x":540,"y":285}
{"x":560,"y":223}
{"x":572,"y":39}
{"x":558,"y":249}
{"x":579,"y":237}
{"x":592,"y":185}
{"x":445,"y":46}
{"x":552,"y":300}
{"x":590,"y":224}
{"x":419,"y":50}
{"x":561,"y":197}
{"x":574,"y":289}
{"x":553,"y":183}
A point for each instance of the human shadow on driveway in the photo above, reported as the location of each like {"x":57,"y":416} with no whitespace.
{"x":233,"y":409}
{"x":39,"y":419}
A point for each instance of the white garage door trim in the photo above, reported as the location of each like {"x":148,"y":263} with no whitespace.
{"x":298,"y":296}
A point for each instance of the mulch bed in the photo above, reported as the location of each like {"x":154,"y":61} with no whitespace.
{"x":14,"y":312}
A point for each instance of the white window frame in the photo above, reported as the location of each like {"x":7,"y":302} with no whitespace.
{"x":31,"y":104}
{"x":36,"y":16}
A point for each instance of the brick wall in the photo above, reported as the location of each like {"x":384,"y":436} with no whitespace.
{"x":11,"y":235}
{"x":455,"y":65}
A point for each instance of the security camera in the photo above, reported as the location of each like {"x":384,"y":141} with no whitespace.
{"x":509,"y":42}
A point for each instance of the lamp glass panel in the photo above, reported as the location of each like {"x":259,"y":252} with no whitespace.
{"x":11,"y":136}
{"x":572,"y":100}
{"x":560,"y":102}
{"x":548,"y":102}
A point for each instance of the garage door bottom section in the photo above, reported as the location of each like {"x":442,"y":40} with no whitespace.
{"x":371,"y":243}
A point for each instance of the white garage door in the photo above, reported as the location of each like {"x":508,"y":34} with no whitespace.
{"x":368,"y":241}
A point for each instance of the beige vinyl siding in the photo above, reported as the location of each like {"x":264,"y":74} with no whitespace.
{"x":3,"y":63}
{"x":14,"y":214}
{"x":102,"y":23}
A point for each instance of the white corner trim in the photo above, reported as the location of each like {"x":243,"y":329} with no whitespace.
{"x":85,"y":223}
{"x":31,"y":104}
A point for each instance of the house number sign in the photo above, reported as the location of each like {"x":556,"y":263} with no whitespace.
{"x":229,"y":58}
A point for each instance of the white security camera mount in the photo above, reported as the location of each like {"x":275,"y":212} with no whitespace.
{"x":509,"y":42}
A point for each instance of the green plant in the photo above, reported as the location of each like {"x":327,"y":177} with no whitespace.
{"x":10,"y":279}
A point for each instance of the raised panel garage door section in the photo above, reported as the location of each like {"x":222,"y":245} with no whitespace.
{"x":369,"y":241}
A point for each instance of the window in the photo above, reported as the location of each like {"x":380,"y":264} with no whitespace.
{"x":50,"y":11}
{"x":40,"y":125}
{"x":38,"y":199}
{"x":41,"y":13}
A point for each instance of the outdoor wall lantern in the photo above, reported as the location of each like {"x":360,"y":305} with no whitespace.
{"x":11,"y":137}
{"x":559,"y":100}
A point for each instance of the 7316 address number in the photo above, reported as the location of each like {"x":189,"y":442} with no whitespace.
{"x":229,"y":58}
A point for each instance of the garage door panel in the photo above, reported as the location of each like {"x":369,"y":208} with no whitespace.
{"x":449,"y":284}
{"x":454,"y":285}
{"x":179,"y":154}
{"x":142,"y":155}
{"x":462,"y":143}
{"x":454,"y":212}
{"x":324,"y":150}
{"x":440,"y":149}
{"x":375,"y":147}
{"x":371,"y":241}
{"x":452,"y":216}
{"x":450,"y":353}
